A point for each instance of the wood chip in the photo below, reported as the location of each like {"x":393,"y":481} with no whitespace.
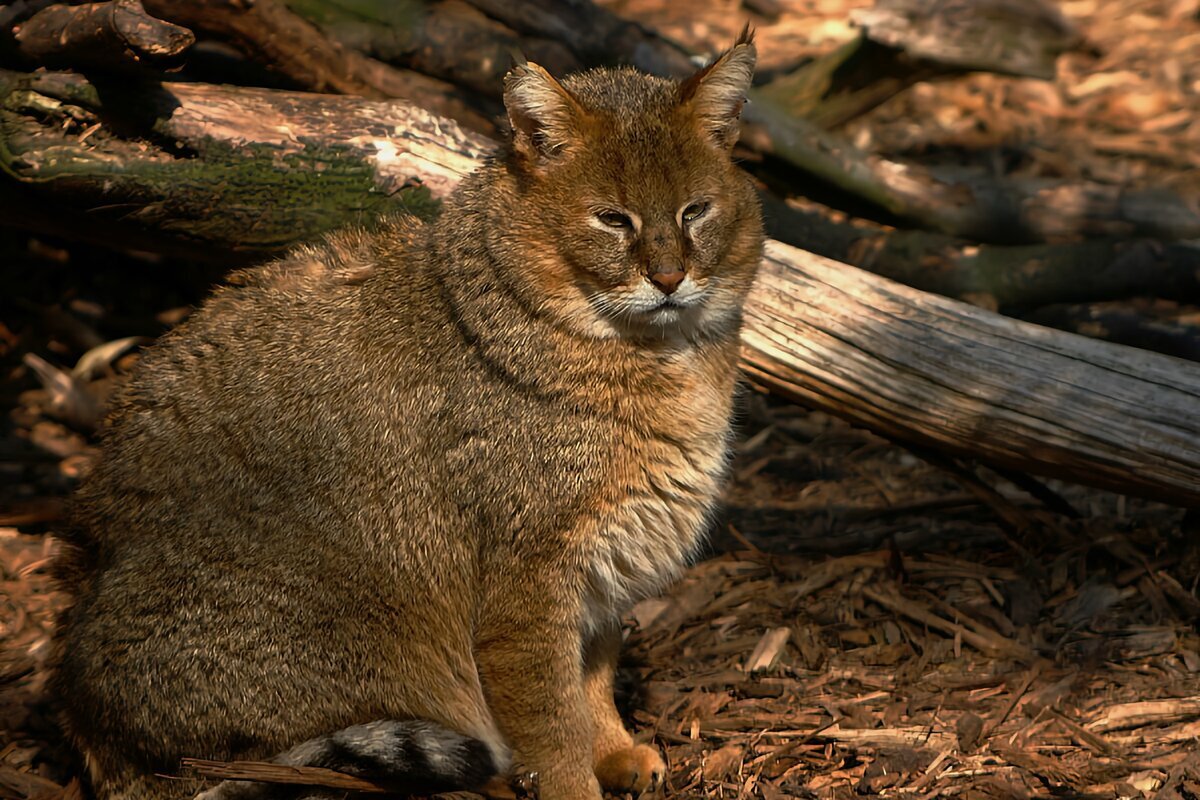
{"x":768,"y":650}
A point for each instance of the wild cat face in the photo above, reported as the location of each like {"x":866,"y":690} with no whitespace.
{"x":637,"y":221}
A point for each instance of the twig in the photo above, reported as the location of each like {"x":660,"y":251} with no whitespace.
{"x":1038,"y":490}
{"x":267,"y":772}
{"x":991,"y":727}
{"x":1082,"y":735}
{"x":990,"y":644}
{"x":1149,"y":712}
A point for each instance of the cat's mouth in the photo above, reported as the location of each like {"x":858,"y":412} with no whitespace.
{"x":646,"y":308}
{"x":671,"y":311}
{"x":676,"y":302}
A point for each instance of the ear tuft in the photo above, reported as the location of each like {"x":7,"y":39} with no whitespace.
{"x":544,"y":116}
{"x":717,"y":92}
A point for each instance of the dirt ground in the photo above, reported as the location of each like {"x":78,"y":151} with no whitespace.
{"x":864,"y":623}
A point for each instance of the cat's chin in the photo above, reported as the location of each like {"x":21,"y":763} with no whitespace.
{"x":667,"y":322}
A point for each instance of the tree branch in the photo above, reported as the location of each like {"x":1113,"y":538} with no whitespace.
{"x":109,"y":35}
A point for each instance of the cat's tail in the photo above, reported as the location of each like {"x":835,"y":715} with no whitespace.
{"x":408,"y":756}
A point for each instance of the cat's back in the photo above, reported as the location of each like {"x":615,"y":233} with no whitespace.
{"x":264,"y":397}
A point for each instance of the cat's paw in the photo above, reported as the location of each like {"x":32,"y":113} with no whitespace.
{"x":635,"y":769}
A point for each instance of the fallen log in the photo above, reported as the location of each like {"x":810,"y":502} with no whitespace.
{"x":982,"y":209}
{"x":1003,"y":277}
{"x":1161,"y":326}
{"x":448,"y":39}
{"x":327,"y":161}
{"x":925,"y":369}
{"x":910,"y":365}
{"x":247,"y":170}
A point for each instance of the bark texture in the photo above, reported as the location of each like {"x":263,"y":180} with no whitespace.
{"x":949,"y":376}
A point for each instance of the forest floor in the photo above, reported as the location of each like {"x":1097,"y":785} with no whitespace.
{"x":864,"y":623}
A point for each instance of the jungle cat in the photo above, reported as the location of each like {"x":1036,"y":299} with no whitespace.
{"x":379,"y":505}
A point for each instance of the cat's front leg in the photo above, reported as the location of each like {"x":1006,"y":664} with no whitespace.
{"x":529,"y":652}
{"x":621,"y":765}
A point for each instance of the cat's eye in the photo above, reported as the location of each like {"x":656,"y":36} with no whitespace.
{"x":694,"y":211}
{"x":615,"y":219}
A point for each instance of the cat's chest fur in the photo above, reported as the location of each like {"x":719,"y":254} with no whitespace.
{"x":662,"y":489}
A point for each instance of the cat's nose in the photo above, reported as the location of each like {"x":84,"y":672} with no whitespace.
{"x":667,"y":278}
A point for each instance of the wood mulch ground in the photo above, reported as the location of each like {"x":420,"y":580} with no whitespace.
{"x":868,"y":625}
{"x":865,"y":623}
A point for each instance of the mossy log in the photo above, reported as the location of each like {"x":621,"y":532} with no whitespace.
{"x":913,"y":366}
{"x":299,"y":164}
{"x":207,"y":170}
{"x":464,"y":46}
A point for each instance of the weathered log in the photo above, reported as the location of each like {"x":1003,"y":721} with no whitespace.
{"x":109,"y":35}
{"x":241,"y":130}
{"x":249,"y":170}
{"x":298,"y":164}
{"x":910,"y":365}
{"x":945,"y":375}
{"x":985,"y":210}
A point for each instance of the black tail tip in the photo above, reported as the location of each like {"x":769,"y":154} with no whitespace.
{"x":479,"y":764}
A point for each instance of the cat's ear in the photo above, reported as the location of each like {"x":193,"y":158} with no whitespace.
{"x":716,"y":93}
{"x":544,"y":116}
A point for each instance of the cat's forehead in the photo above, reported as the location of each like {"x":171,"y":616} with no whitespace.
{"x":641,"y":147}
{"x":640,"y":131}
{"x":621,"y":91}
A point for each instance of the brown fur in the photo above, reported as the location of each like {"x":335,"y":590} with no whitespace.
{"x":420,"y":473}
